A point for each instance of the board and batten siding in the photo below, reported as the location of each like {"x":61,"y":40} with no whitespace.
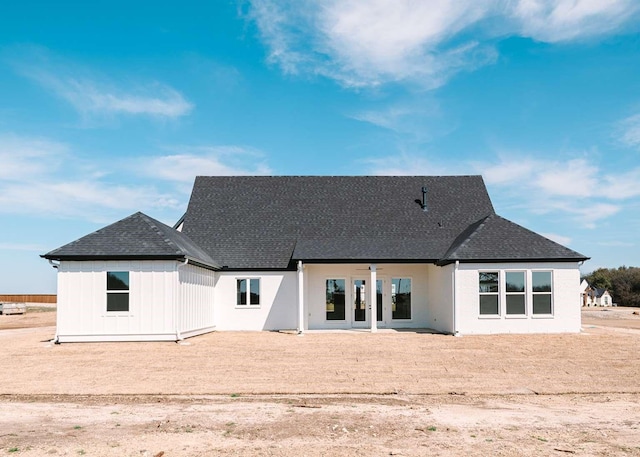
{"x":278,"y":302}
{"x":196,"y":301}
{"x":565,"y":300}
{"x":155,"y":294}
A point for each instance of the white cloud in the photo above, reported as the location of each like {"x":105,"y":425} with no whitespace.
{"x":93,"y":93}
{"x":560,"y":239}
{"x":189,"y":162}
{"x":575,"y":178}
{"x":577,"y":187}
{"x":507,"y":171}
{"x":43,"y":177}
{"x":22,"y":247}
{"x":402,"y":165}
{"x":564,"y":20}
{"x":629,"y":131}
{"x":370,"y":43}
{"x":421,"y":120}
{"x":26,"y":158}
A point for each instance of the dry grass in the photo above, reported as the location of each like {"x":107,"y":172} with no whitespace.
{"x":350,"y":394}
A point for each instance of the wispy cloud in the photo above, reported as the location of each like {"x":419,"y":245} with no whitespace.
{"x":629,"y":131}
{"x":43,"y":177}
{"x":21,"y":247}
{"x":564,"y":20}
{"x":414,"y":120}
{"x":187,"y":162}
{"x":28,"y":158}
{"x":91,"y":92}
{"x":403,"y":164}
{"x":577,"y":187}
{"x":364,"y":44}
{"x":564,"y":240}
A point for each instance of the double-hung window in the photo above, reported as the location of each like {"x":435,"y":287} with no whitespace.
{"x":515,"y":292}
{"x":542,"y":291}
{"x":489,"y":293}
{"x":117,"y":291}
{"x":248,"y":292}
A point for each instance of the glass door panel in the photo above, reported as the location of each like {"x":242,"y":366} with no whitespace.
{"x":379,"y":316}
{"x":360,"y":300}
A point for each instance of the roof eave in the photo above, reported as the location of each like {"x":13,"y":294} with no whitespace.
{"x":366,"y":260}
{"x":178,"y":258}
{"x":443,"y":262}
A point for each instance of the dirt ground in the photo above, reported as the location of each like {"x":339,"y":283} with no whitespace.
{"x":348,"y":393}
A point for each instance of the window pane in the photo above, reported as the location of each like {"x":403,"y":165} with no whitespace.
{"x":542,"y":304}
{"x":515,"y":304}
{"x":241,"y":292}
{"x":117,"y":280}
{"x":254,"y":290}
{"x":515,"y":281}
{"x":488,"y":281}
{"x":541,"y":281}
{"x":118,"y":302}
{"x":401,"y":298}
{"x":489,"y":304}
{"x":335,"y":299}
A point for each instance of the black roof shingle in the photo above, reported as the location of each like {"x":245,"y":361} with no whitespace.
{"x":270,"y":222}
{"x":137,"y":237}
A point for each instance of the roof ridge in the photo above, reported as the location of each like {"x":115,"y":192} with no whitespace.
{"x":151,"y":222}
{"x":472,"y":229}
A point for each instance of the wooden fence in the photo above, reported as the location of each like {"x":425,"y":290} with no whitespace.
{"x":34,"y":298}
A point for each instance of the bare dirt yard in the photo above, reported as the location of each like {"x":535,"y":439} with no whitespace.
{"x":349,"y":393}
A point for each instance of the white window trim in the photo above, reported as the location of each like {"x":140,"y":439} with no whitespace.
{"x":552,"y":294}
{"x":347,"y":301}
{"x":502,"y":295}
{"x":391,"y":298}
{"x":525,"y":294}
{"x":248,"y":292}
{"x":108,"y":313}
{"x":499,"y":293}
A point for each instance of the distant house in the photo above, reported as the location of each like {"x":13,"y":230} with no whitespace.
{"x":592,"y":296}
{"x":313,"y":252}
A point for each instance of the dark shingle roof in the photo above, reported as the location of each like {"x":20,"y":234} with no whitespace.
{"x":269,"y":222}
{"x":495,"y":238}
{"x":266,"y":222}
{"x":135,"y":237}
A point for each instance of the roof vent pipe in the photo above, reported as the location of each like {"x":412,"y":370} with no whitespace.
{"x":424,"y":199}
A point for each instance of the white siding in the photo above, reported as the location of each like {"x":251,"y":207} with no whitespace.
{"x":196,"y":302}
{"x":158,"y":292}
{"x":566,"y":301}
{"x":440,"y":302}
{"x":315,"y":293}
{"x":278,"y":302}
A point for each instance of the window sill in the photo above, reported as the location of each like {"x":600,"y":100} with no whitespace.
{"x":516,"y":316}
{"x":542,"y":316}
{"x":489,"y":316}
{"x":248,"y":306}
{"x":118,"y":314}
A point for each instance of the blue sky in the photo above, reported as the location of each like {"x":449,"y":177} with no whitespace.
{"x":107,"y":108}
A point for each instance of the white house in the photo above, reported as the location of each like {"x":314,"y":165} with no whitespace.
{"x":595,"y":296}
{"x":313,"y":252}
